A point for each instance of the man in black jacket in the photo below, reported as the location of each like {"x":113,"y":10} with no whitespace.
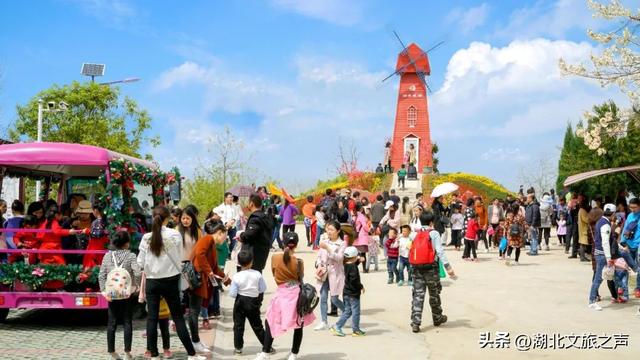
{"x":532,"y":217}
{"x":257,"y":235}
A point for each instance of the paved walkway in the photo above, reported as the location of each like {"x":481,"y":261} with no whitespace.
{"x":545,"y":295}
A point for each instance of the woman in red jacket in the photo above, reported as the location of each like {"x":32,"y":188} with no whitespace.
{"x":52,"y":239}
{"x":205,"y":261}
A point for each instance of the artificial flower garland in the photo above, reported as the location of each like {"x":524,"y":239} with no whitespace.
{"x":120,"y":189}
{"x":38,"y":275}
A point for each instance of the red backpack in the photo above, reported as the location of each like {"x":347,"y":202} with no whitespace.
{"x":422,"y":251}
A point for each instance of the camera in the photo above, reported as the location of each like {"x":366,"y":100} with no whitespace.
{"x":51,"y":105}
{"x":63,"y":105}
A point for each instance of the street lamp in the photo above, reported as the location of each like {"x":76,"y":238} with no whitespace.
{"x":51,"y":107}
{"x":123,"y":81}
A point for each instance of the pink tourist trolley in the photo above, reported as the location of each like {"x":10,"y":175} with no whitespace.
{"x":67,"y":170}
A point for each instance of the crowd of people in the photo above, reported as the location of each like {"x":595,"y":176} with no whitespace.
{"x":179,"y":268}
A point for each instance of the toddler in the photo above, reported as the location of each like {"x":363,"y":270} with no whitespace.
{"x":392,"y":245}
{"x":373,"y":249}
{"x":404,"y":242}
{"x":562,"y":229}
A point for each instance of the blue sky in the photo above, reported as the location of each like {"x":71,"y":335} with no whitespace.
{"x":290,"y":77}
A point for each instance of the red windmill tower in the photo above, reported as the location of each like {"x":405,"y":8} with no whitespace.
{"x":411,"y":130}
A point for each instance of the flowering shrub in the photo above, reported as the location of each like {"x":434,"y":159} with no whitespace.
{"x":469,"y":184}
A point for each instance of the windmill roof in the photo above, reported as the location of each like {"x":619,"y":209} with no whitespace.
{"x":413,"y":59}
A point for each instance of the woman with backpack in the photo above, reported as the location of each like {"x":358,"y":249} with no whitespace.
{"x":515,"y":226}
{"x":160,"y":254}
{"x":330,"y":271}
{"x":282,"y":313}
{"x":120,"y":302}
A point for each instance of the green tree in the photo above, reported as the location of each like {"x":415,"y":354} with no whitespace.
{"x":96,"y":115}
{"x":577,"y":157}
{"x":436,"y":161}
{"x":206,"y":188}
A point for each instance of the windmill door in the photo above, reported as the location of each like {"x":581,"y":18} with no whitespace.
{"x":408,"y":149}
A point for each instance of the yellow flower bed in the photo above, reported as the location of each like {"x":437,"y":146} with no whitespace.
{"x":470,"y":178}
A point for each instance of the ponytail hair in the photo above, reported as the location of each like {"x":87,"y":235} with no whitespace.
{"x":290,"y":242}
{"x":160,"y":214}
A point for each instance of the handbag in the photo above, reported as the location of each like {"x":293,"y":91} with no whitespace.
{"x":191,"y":279}
{"x":321,"y":273}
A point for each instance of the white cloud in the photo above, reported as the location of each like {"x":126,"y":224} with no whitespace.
{"x":335,"y":11}
{"x":552,"y":19}
{"x":497,"y":99}
{"x":299,"y":122}
{"x":504,"y":154}
{"x":469,"y":19}
{"x":113,"y":12}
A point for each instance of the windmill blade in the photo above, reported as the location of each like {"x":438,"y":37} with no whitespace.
{"x":435,"y":46}
{"x":404,"y":47}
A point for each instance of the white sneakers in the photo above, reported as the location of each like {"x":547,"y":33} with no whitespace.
{"x":196,"y":357}
{"x":486,"y":251}
{"x":201,"y":348}
{"x":595,"y":306}
{"x":321,"y":326}
{"x":292,"y":356}
{"x":262,"y":356}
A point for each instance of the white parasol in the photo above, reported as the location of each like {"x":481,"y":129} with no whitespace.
{"x":443,"y":189}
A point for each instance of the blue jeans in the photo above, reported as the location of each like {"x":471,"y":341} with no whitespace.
{"x":276,"y":236}
{"x":232,"y":241}
{"x":622,"y":279}
{"x":601,"y":262}
{"x":403,"y":263}
{"x":324,"y":295}
{"x":351,"y":309}
{"x":533,"y":239}
{"x":633,"y":254}
{"x":392,"y":268}
{"x":319,"y":233}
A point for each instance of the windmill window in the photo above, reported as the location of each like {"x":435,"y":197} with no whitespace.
{"x":412,"y":116}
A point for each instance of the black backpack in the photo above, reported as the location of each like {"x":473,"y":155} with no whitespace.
{"x":308,"y":298}
{"x":515,"y":230}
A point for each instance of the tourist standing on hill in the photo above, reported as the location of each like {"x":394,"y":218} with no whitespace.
{"x":330,"y":271}
{"x":387,"y":157}
{"x":308,"y":210}
{"x":159,"y":256}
